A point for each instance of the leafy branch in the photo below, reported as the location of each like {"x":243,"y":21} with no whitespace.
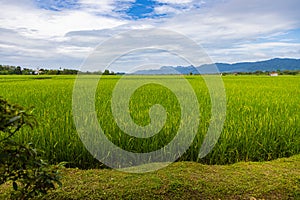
{"x":22,"y":164}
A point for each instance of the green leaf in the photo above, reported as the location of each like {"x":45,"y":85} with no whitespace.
{"x":15,"y":186}
{"x":59,"y":183}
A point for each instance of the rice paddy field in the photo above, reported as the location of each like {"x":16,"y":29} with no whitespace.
{"x":262,"y":118}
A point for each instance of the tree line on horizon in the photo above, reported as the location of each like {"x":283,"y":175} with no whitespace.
{"x":258,"y":72}
{"x":17,"y":70}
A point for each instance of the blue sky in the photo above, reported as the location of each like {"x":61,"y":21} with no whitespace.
{"x":56,"y":5}
{"x":62,"y":33}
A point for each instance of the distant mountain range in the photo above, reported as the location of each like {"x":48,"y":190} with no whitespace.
{"x":267,"y":65}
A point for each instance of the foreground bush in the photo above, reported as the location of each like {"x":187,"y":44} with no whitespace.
{"x":21,"y":164}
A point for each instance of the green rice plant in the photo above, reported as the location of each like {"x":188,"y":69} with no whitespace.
{"x":262,"y":120}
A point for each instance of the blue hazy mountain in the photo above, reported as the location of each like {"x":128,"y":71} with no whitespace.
{"x":267,"y":65}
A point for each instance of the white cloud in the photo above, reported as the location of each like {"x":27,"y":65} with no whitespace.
{"x":231,"y":23}
{"x":255,"y":51}
{"x":49,"y":23}
{"x":229,"y":30}
{"x":166,"y":9}
{"x":175,"y":1}
{"x":39,"y":35}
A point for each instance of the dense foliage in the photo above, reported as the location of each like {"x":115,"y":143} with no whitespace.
{"x":21,"y":163}
{"x":10,"y":70}
{"x":7,"y":69}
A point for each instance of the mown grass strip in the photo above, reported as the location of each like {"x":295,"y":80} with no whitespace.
{"x":278,"y":179}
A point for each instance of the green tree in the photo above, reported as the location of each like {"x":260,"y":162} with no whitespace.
{"x":18,"y":70}
{"x":106,"y":72}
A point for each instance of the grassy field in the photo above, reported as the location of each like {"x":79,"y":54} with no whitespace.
{"x":278,"y":179}
{"x":262,"y":121}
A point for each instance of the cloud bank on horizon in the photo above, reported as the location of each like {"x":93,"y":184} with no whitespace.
{"x":62,"y":33}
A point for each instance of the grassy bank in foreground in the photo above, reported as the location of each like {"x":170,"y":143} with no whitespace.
{"x":278,"y":179}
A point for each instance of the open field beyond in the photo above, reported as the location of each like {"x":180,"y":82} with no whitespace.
{"x":262,"y":121}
